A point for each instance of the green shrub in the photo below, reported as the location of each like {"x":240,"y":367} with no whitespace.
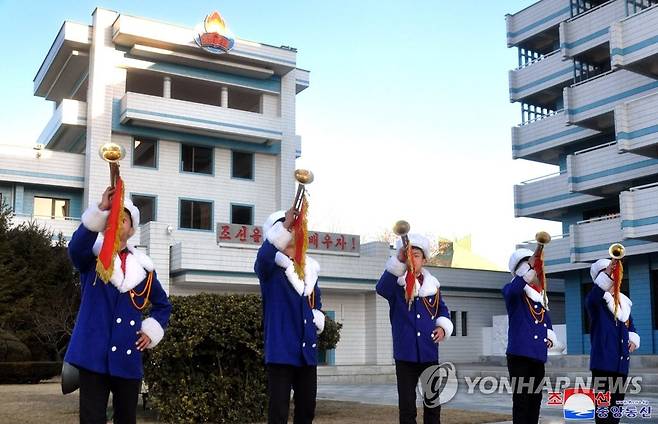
{"x":28,"y":372}
{"x":330,"y":337}
{"x":210,"y":365}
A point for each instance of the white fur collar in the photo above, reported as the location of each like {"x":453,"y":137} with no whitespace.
{"x":534,"y":295}
{"x":624,"y":309}
{"x":311,"y":271}
{"x":137,"y":263}
{"x":430,"y":284}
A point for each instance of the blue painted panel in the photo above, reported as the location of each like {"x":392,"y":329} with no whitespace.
{"x":634,"y":47}
{"x":573,"y":310}
{"x":614,"y":98}
{"x":585,"y":39}
{"x":639,"y":284}
{"x":566,"y":11}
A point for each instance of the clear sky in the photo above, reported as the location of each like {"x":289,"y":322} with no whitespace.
{"x":407,"y":115}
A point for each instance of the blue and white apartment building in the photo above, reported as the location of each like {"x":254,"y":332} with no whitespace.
{"x":587,"y":83}
{"x":211,"y":146}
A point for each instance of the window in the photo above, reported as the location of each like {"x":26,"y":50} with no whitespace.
{"x":244,"y":100}
{"x":145,"y":152}
{"x":241,"y":214}
{"x":51,"y":208}
{"x":196,"y":91}
{"x":242,"y":165}
{"x":144,"y":83}
{"x":464,"y":323}
{"x":195,"y":214}
{"x":453,"y":318}
{"x":146,"y":207}
{"x":196,"y":159}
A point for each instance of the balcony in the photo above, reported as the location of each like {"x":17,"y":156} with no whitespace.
{"x":547,"y":197}
{"x":591,"y":103}
{"x":42,"y":167}
{"x":639,"y":212}
{"x":604,"y":170}
{"x":67,"y":63}
{"x":536,"y":24}
{"x":541,"y":82}
{"x":636,"y":125}
{"x":67,"y":127}
{"x":545,"y":139}
{"x":590,"y":31}
{"x":634,"y":42}
{"x":196,"y":118}
{"x":302,"y":80}
{"x":591,"y":239}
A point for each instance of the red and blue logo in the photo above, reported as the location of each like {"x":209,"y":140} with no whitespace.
{"x":214,"y":36}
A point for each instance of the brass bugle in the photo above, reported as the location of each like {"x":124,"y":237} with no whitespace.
{"x":617,"y":251}
{"x":401,"y":227}
{"x":303,"y":177}
{"x":543,"y":238}
{"x":112,"y":153}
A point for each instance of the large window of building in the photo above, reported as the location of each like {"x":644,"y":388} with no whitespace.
{"x":242,"y":165}
{"x":244,"y":100}
{"x":146,"y":206}
{"x":49,"y":207}
{"x":195,"y":214}
{"x":196,"y":91}
{"x":196,"y":159}
{"x":145,"y":152}
{"x":242,"y":214}
{"x":144,"y":83}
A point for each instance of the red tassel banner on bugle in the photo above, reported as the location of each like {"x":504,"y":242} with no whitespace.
{"x":410,"y":278}
{"x":617,"y":276}
{"x":300,"y":231}
{"x":110,"y":248}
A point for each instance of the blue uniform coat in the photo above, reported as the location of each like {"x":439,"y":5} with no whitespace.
{"x":289,"y":321}
{"x":412,"y":329}
{"x":104,"y":335}
{"x":609,"y":336}
{"x":527,"y":334}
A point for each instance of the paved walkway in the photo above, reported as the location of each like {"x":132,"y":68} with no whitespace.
{"x":386,"y":394}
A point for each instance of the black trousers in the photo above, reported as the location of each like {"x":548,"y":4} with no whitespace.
{"x":527,"y":376}
{"x":407,"y":374}
{"x":94,"y":392}
{"x":601,"y":381}
{"x":303,"y":380}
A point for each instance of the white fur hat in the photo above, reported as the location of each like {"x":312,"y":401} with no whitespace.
{"x":518,"y":256}
{"x":271,"y":220}
{"x":416,"y":240}
{"x":597,"y":267}
{"x":134,"y":212}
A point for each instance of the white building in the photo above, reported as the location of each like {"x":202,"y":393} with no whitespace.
{"x":588,"y":85}
{"x":211,"y":148}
